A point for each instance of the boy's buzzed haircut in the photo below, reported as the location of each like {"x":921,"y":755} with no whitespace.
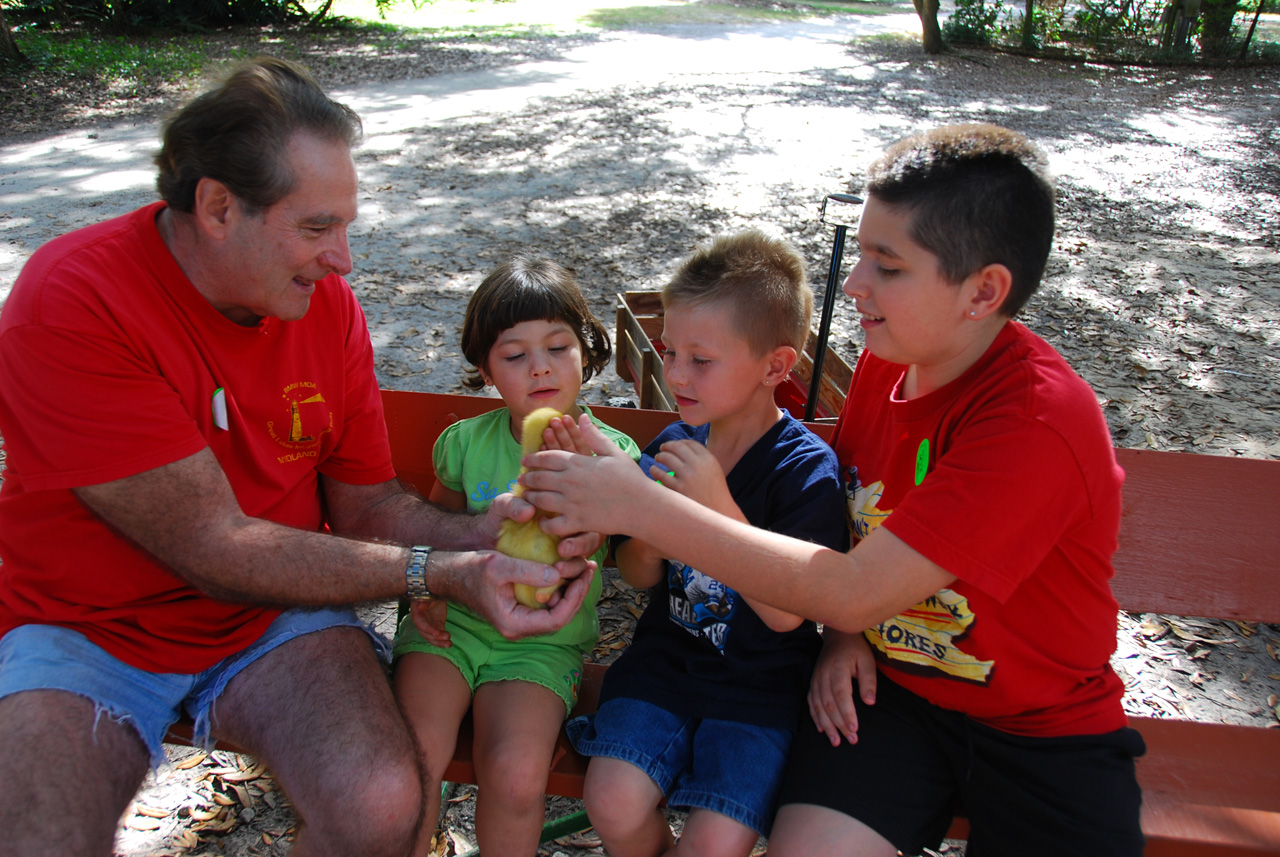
{"x":759,"y":277}
{"x":977,"y":195}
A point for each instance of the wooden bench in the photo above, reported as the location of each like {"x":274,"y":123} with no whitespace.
{"x":1200,"y":536}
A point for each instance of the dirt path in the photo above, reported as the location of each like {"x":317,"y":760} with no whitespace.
{"x":616,"y":155}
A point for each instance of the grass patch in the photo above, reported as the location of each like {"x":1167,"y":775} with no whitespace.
{"x":710,"y":12}
{"x":157,"y":57}
{"x":630,"y":17}
{"x":78,"y":75}
{"x":478,"y":17}
{"x":384,"y":33}
{"x":855,"y":7}
{"x":566,"y":17}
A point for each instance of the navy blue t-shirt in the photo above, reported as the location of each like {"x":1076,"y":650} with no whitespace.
{"x":699,"y":650}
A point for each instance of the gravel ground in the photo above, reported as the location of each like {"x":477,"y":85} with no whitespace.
{"x":615,"y":154}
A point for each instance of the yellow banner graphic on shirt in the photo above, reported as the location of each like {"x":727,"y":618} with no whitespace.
{"x":925,"y":634}
{"x":865,"y":514}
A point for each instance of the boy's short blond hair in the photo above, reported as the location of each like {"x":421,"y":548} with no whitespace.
{"x":759,"y":278}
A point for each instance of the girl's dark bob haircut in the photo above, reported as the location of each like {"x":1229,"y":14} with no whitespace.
{"x":528,"y":288}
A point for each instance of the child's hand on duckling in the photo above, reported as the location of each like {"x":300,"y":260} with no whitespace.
{"x":520,"y":510}
{"x":690,"y":468}
{"x":563,"y":433}
{"x":569,"y":485}
{"x":581,"y":544}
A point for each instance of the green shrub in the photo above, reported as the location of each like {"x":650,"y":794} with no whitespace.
{"x":132,"y":15}
{"x":973,"y":22}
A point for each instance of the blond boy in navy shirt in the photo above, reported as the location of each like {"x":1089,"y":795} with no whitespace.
{"x":702,"y":707}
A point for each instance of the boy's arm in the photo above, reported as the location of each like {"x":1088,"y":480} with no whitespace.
{"x":690,"y":468}
{"x":777,"y":620}
{"x":639,"y":563}
{"x":878,"y":579}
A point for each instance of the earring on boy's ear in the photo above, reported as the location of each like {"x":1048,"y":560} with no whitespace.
{"x":973,"y":313}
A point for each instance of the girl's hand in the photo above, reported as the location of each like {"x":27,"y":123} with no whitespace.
{"x":604,"y":493}
{"x":691,"y":469}
{"x":563,"y":433}
{"x":845,"y":659}
{"x":429,"y":615}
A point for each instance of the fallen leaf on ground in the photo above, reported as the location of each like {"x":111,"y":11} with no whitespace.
{"x":142,"y":822}
{"x":244,"y":776}
{"x":190,"y":761}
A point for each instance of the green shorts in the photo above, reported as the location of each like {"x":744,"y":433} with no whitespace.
{"x":482,"y":655}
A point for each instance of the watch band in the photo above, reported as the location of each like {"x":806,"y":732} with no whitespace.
{"x":415,"y":576}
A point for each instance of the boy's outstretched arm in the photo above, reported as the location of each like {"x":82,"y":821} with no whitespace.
{"x":879,"y":578}
{"x":690,"y":468}
{"x":639,"y":563}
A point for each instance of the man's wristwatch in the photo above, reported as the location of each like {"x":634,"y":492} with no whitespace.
{"x":415,"y":576}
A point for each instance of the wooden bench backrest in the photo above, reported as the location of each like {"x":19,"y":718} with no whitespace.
{"x":1195,"y":519}
{"x":1200,"y":536}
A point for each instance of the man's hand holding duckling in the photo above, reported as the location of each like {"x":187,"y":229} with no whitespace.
{"x":487,"y":582}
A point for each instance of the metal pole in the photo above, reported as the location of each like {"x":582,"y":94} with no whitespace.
{"x":844,"y":200}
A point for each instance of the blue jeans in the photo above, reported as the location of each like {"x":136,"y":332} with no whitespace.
{"x":730,"y":768}
{"x":50,"y":657}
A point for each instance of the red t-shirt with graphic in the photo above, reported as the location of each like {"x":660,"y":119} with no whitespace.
{"x":111,"y":364}
{"x":1007,"y":479}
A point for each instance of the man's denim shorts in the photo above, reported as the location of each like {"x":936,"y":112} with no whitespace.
{"x":50,"y":657}
{"x":721,"y":765}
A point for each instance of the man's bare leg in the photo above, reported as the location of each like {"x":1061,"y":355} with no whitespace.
{"x":65,"y":781}
{"x":319,"y":712}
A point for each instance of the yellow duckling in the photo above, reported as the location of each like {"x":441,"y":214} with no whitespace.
{"x":527,"y":540}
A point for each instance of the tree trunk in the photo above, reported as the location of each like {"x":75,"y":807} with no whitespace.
{"x":1216,"y":19}
{"x":1028,"y":21}
{"x":930,"y":33}
{"x":1168,"y":20}
{"x":1244,"y":49}
{"x":9,"y":53}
